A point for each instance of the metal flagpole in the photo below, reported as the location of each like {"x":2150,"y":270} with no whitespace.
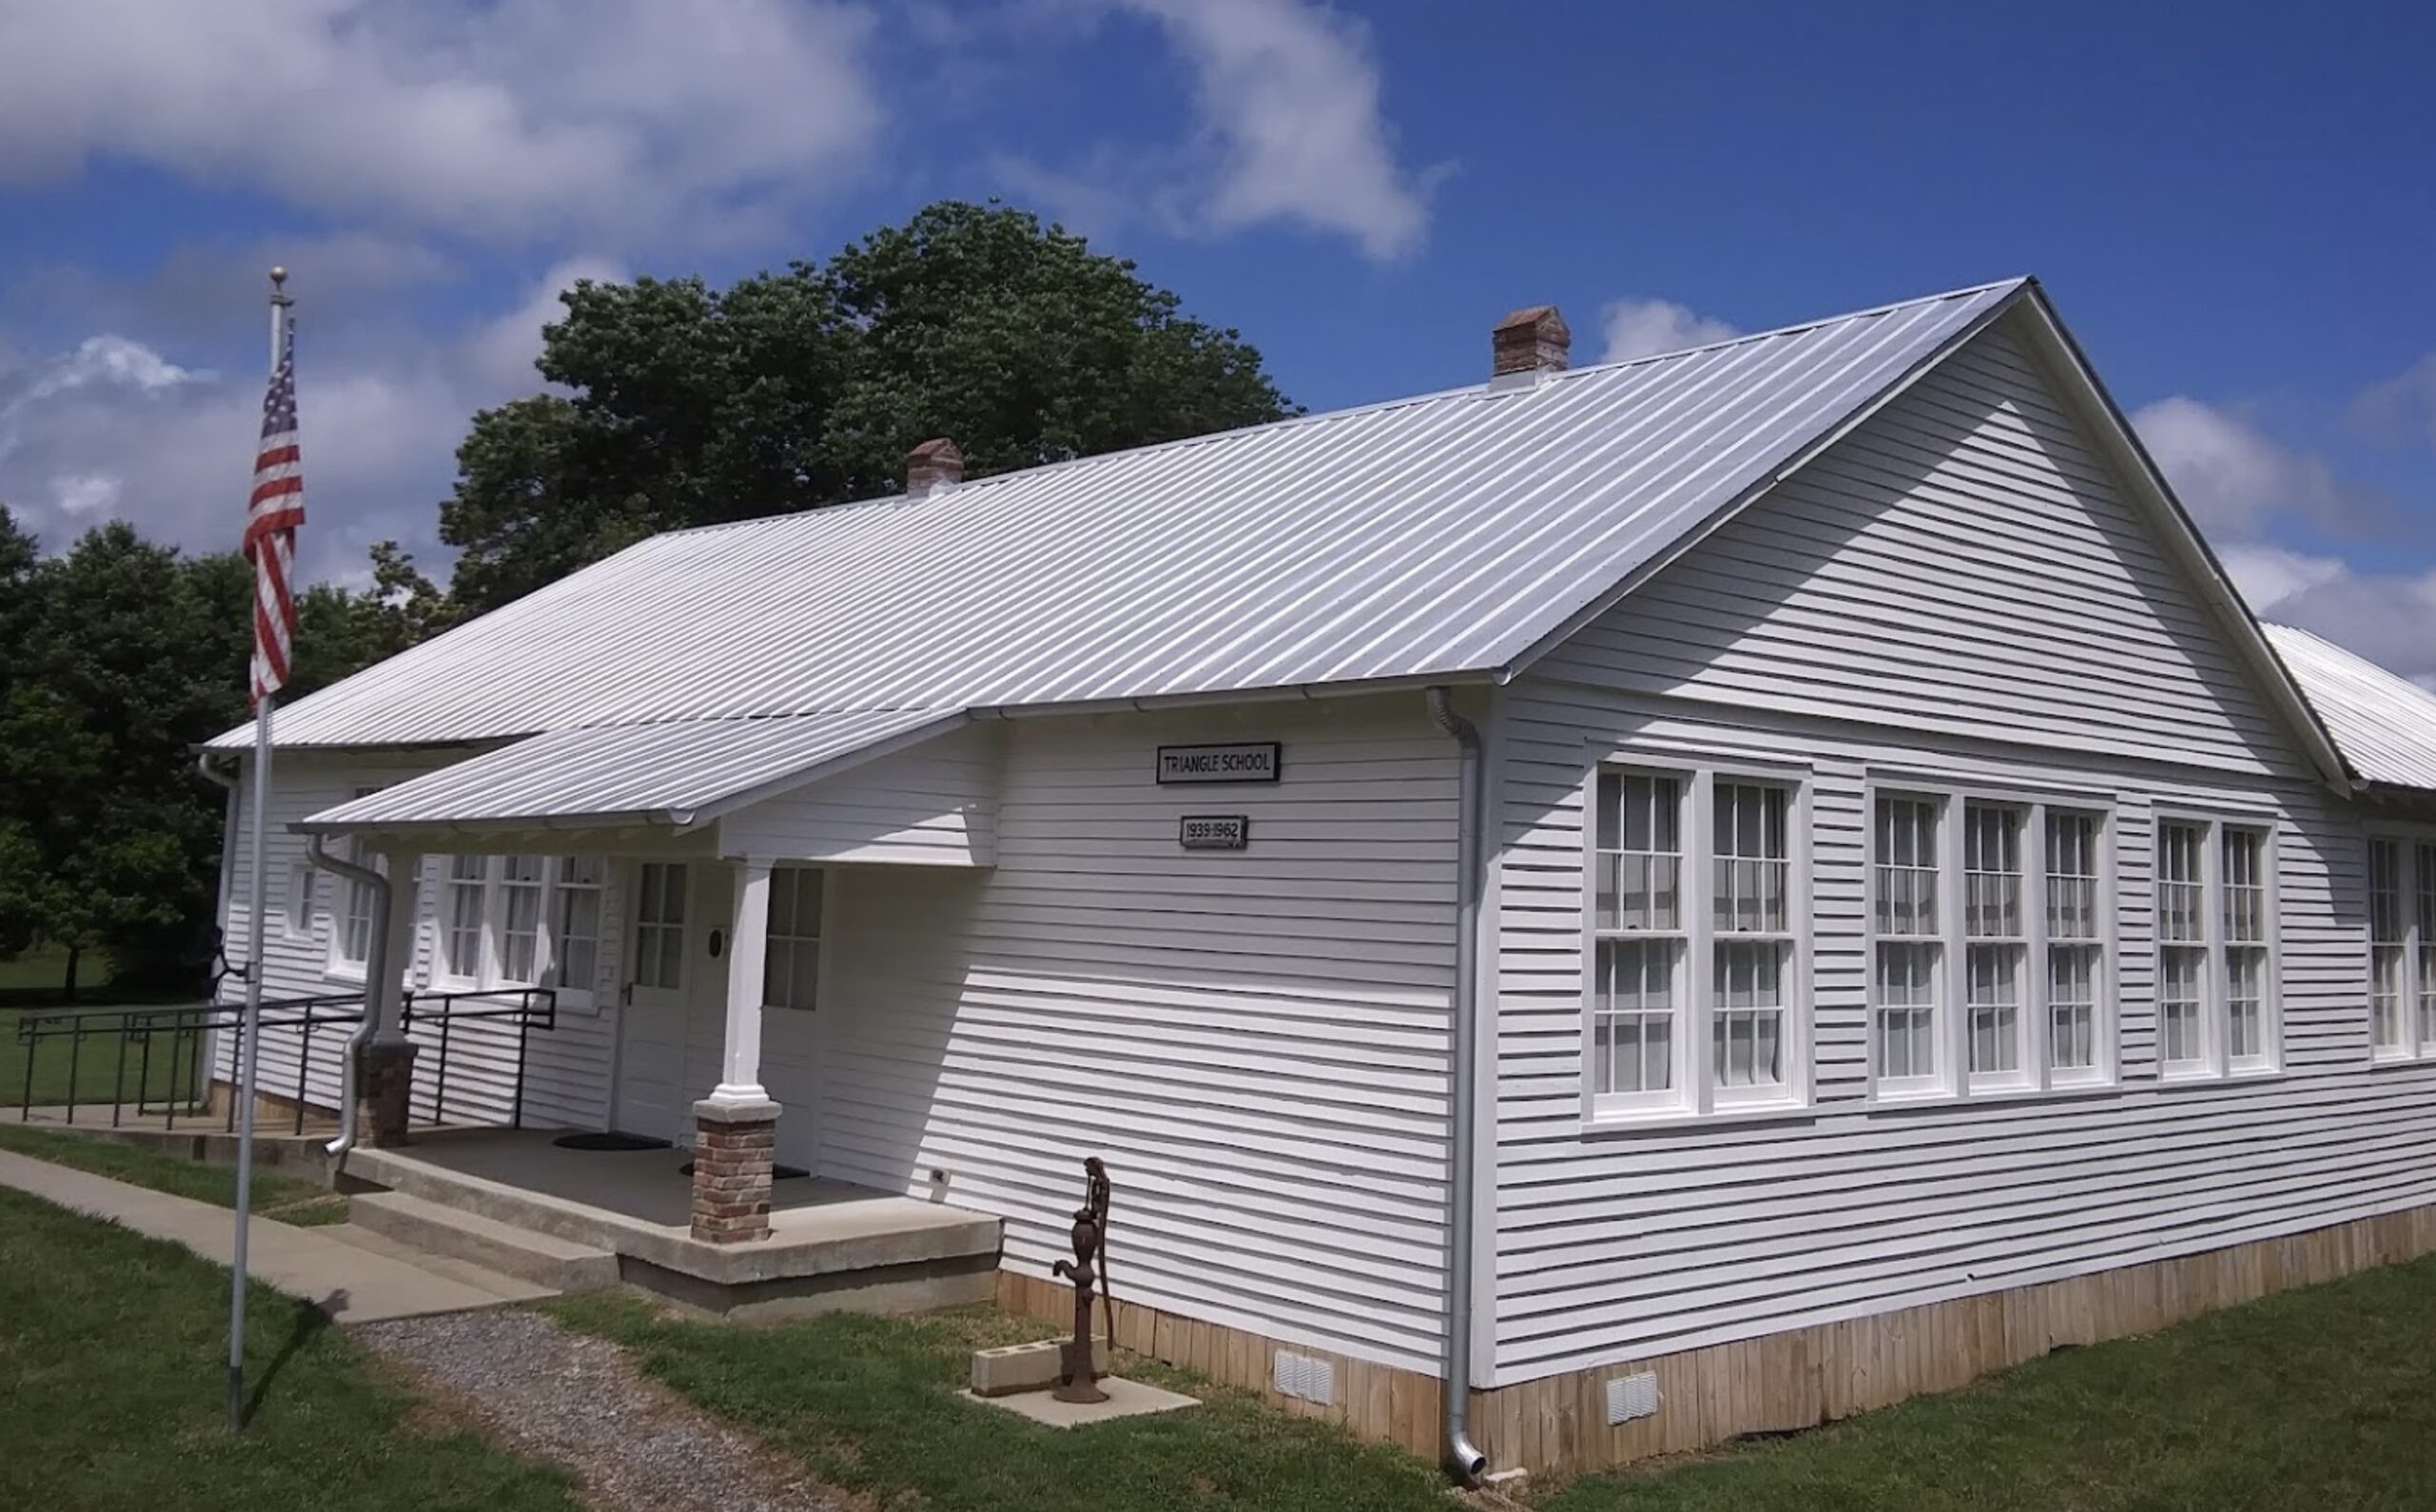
{"x":249,"y":1036}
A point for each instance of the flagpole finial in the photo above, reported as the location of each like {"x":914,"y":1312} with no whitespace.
{"x":278,"y":275}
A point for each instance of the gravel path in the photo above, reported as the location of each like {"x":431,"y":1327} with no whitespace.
{"x":632,"y":1445}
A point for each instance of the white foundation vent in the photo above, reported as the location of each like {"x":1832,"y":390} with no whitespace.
{"x":1303,"y":1378}
{"x":1630,"y":1397}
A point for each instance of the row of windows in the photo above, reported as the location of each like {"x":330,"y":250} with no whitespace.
{"x":535,"y":921}
{"x":1991,"y":924}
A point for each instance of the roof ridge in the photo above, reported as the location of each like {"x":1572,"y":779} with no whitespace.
{"x":1373,"y":406}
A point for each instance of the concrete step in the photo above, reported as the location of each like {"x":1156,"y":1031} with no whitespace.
{"x":545,"y":1260}
{"x":473,"y":1286}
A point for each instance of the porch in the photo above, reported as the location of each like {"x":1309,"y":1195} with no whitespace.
{"x":522,"y":1201}
{"x":672,"y":889}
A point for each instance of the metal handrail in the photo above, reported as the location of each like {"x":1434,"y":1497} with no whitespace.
{"x":185,"y":1027}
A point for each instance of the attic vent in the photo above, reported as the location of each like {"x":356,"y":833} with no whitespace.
{"x":1630,"y":1397}
{"x":1302,"y":1378}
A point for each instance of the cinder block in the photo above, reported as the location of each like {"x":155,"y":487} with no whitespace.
{"x":1026,"y":1366}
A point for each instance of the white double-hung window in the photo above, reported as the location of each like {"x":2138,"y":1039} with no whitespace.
{"x":508,"y":921}
{"x":2402,"y":948}
{"x":1990,"y":939}
{"x":351,"y":921}
{"x":1696,"y":983}
{"x":790,"y":970}
{"x":2217,"y":951}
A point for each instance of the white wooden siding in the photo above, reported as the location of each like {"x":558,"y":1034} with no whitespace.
{"x":566,"y":1076}
{"x":1964,"y":562}
{"x":1958,"y":593}
{"x":933,"y":805}
{"x":1255,"y":1041}
{"x":1614,"y":1242}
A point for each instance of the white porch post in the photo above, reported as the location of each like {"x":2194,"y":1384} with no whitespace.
{"x":385,"y":1075}
{"x":736,"y":1129}
{"x":383,"y":997}
{"x":748,"y":951}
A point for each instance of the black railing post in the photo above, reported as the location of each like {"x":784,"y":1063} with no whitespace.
{"x":118,"y":1078}
{"x":303,"y":1066}
{"x":144,"y":1068}
{"x":523,"y":1043}
{"x":75,"y":1061}
{"x":177,"y":1037}
{"x":26,"y":1105}
{"x":440,"y":1082}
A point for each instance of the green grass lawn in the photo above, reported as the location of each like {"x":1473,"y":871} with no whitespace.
{"x":101,"y":1075}
{"x":2323,"y":1399}
{"x":114,"y":1351}
{"x":285,"y":1198}
{"x":29,"y":989}
{"x":867,"y":1404}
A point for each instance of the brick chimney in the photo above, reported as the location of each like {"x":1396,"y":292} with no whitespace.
{"x":932,"y":466}
{"x":1527,"y":343}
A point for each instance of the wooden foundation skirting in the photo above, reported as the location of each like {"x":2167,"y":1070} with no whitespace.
{"x":1781,"y":1383}
{"x":1374,"y":1401}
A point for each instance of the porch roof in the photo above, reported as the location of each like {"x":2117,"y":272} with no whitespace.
{"x":676,"y":774}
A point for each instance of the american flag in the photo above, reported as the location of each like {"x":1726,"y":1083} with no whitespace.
{"x":271,"y":519}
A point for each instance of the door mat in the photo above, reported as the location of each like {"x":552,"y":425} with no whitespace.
{"x":609,"y":1139}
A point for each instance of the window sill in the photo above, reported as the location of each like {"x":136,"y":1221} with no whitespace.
{"x":1653,"y":1120}
{"x":2060,"y":1091}
{"x":2381,"y":1060}
{"x":351,"y":976}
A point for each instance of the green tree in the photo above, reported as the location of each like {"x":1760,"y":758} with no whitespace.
{"x":689,"y":406}
{"x":20,"y":861}
{"x":130,"y":654}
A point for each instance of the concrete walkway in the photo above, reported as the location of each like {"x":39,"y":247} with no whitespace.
{"x":353,"y":1276}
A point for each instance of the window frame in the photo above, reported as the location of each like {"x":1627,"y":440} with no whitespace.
{"x":1952,"y":1080}
{"x":1695,"y":1093}
{"x":2217,"y":1063}
{"x":490,"y":967}
{"x":824,"y":939}
{"x":336,"y":964}
{"x":2415,"y":866}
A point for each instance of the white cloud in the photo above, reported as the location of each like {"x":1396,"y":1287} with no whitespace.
{"x":2404,"y":405}
{"x":2228,"y":472}
{"x":1639,"y":328}
{"x":2239,"y":485}
{"x":2266,"y":576}
{"x":1288,"y":127}
{"x":1288,"y":94}
{"x":114,"y":428}
{"x":511,"y":119}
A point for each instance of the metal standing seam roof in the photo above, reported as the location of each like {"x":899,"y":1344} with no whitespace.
{"x":1441,"y":536}
{"x":669,"y":774}
{"x":2383,"y":724}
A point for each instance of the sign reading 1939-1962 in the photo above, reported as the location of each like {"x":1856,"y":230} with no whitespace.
{"x":1214,"y":832}
{"x":1254,"y":762}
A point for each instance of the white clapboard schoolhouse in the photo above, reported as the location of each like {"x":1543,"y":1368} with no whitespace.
{"x":1689,"y":896}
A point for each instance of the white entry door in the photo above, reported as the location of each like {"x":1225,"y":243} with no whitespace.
{"x":653,"y":1094}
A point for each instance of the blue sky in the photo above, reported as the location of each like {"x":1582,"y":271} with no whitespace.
{"x":2236,"y":214}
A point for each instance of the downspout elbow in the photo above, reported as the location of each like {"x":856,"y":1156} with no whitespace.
{"x":377,"y":979}
{"x":1464,"y":1458}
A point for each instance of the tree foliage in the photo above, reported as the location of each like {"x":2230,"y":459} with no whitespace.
{"x":689,"y":406}
{"x":126,"y":654}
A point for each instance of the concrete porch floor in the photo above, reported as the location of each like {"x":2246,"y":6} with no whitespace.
{"x":830,"y":1244}
{"x":644,"y":1185}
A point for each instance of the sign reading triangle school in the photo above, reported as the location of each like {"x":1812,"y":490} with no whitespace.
{"x":1254,"y":762}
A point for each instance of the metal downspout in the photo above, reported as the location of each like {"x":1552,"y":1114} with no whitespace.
{"x":377,"y":980}
{"x":1463,"y":1457}
{"x":227,"y":782}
